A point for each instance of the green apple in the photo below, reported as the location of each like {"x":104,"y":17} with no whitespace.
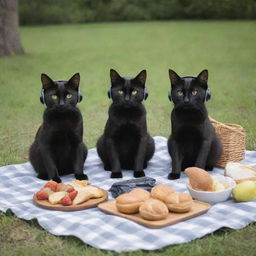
{"x":245,"y":191}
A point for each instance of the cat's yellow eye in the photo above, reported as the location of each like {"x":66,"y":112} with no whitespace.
{"x":69,"y":95}
{"x":180,"y":93}
{"x":134,"y":92}
{"x":54,"y":97}
{"x":194,"y":92}
{"x":120,"y":92}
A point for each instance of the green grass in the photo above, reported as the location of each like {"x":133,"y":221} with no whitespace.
{"x":226,"y":49}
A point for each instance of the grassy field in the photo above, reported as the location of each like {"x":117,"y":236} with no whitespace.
{"x":226,"y":49}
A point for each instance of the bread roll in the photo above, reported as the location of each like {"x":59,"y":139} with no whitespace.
{"x":240,"y":172}
{"x":161,"y":191}
{"x":128,"y":203}
{"x":153,"y":209}
{"x":140,"y":193}
{"x":179,"y":202}
{"x":199,"y":179}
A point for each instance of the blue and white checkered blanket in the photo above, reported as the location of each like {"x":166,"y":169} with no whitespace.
{"x":18,"y":183}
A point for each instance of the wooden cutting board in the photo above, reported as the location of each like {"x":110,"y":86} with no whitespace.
{"x":198,"y":208}
{"x":59,"y":207}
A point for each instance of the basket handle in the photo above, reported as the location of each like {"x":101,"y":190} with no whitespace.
{"x":229,"y":126}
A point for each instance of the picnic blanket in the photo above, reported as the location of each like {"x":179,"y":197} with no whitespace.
{"x":18,"y":183}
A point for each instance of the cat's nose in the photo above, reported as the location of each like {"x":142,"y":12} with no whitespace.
{"x":186,"y":100}
{"x":127,"y":97}
{"x":62,"y":102}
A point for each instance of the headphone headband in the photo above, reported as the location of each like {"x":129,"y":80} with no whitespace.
{"x":206,"y":98}
{"x":79,"y":96}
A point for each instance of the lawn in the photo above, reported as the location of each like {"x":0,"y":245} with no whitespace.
{"x":226,"y":49}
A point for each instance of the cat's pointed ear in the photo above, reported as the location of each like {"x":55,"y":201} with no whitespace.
{"x":47,"y":82}
{"x":141,"y":77}
{"x":203,"y":76}
{"x":174,"y":77}
{"x":114,"y":76}
{"x":74,"y":81}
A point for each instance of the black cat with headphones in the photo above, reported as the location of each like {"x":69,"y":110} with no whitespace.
{"x":207,"y":93}
{"x":145,"y":96}
{"x":126,"y":143}
{"x":42,"y":94}
{"x":58,"y":147}
{"x":193,"y":140}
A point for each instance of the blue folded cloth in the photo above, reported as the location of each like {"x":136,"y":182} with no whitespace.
{"x":126,"y":186}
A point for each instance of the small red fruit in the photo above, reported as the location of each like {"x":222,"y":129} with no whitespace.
{"x":72,"y":194}
{"x":52,"y":185}
{"x":69,"y":188}
{"x":66,"y":201}
{"x":42,"y":195}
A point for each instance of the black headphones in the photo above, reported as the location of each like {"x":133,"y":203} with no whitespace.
{"x":145,"y":96}
{"x":79,"y":97}
{"x":207,"y":95}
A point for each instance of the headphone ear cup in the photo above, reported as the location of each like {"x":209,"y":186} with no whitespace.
{"x":145,"y":93}
{"x":170,"y":95}
{"x":109,"y":93}
{"x":208,"y":94}
{"x":42,"y":97}
{"x":79,"y":97}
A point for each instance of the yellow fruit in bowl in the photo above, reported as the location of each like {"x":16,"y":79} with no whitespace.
{"x":245,"y":191}
{"x":217,"y":186}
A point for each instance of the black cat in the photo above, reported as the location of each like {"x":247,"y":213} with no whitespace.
{"x":193,"y":141}
{"x":126,"y":143}
{"x":58,"y":147}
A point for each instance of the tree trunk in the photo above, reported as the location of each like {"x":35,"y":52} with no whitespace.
{"x":10,"y":42}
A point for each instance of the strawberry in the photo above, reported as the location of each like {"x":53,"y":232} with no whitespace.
{"x":66,"y":201}
{"x":42,"y":195}
{"x":72,"y":194}
{"x":52,"y":185}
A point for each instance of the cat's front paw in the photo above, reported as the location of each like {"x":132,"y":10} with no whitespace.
{"x":173,"y":176}
{"x":56,"y":179}
{"x":42,"y":176}
{"x":209,"y":168}
{"x":116,"y":175}
{"x":81,"y":176}
{"x":139,"y":174}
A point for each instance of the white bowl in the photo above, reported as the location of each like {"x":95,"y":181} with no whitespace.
{"x":215,"y":196}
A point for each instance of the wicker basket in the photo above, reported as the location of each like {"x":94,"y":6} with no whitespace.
{"x":232,"y":137}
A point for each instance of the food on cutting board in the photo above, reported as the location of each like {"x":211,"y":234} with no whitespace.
{"x":128,"y":203}
{"x":55,"y":198}
{"x":79,"y":183}
{"x":140,"y":193}
{"x":245,"y":191}
{"x":161,"y":191}
{"x":153,"y":209}
{"x":82,"y":196}
{"x":179,"y":202}
{"x":74,"y":193}
{"x":154,"y":205}
{"x":201,"y":180}
{"x":240,"y":172}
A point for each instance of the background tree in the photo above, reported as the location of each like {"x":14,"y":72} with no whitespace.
{"x":10,"y":42}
